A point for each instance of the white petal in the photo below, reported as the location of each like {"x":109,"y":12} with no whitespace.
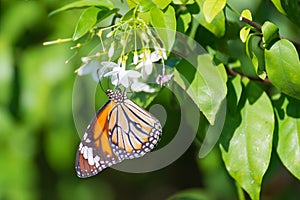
{"x":135,"y":58}
{"x":148,"y":67}
{"x":155,"y":56}
{"x":139,"y":86}
{"x":111,"y":51}
{"x":88,"y":68}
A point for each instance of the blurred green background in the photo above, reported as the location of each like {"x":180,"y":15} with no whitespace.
{"x":38,"y":139}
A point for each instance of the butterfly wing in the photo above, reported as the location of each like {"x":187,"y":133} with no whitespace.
{"x":133,"y":131}
{"x":120,"y":130}
{"x":95,"y":152}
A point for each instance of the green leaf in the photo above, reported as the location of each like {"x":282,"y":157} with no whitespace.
{"x":270,"y":34}
{"x":258,"y":67}
{"x":183,"y":2}
{"x":165,"y":25}
{"x":292,"y":9}
{"x":211,"y":8}
{"x":237,"y":85}
{"x":143,"y":99}
{"x":162,"y":4}
{"x":277,"y":4}
{"x":208,"y":89}
{"x":216,"y":26}
{"x":283,"y":67}
{"x":84,"y":3}
{"x":246,"y":14}
{"x":144,"y":5}
{"x":183,"y":22}
{"x":244,"y":32}
{"x":288,"y":148}
{"x":190,"y":194}
{"x":248,"y":152}
{"x":86,"y":21}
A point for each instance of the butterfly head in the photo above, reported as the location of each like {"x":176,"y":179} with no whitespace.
{"x":116,"y":96}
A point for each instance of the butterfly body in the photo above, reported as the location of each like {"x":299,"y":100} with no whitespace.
{"x":120,"y":130}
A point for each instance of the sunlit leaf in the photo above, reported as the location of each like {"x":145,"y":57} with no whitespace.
{"x":211,"y":8}
{"x":270,"y":34}
{"x":246,"y":14}
{"x":249,"y":133}
{"x":83,"y":4}
{"x":165,"y":25}
{"x":216,"y":26}
{"x":277,"y":4}
{"x":162,"y":4}
{"x":283,"y":67}
{"x":183,"y":22}
{"x":208,"y":88}
{"x":86,"y":21}
{"x":244,"y":32}
{"x":185,"y":2}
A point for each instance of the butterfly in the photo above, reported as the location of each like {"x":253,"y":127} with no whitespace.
{"x":120,"y":130}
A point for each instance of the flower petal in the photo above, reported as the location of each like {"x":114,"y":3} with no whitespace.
{"x":88,"y":68}
{"x":139,"y":86}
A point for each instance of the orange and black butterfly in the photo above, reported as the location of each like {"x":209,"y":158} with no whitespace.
{"x":120,"y":130}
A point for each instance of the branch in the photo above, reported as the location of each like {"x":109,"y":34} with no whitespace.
{"x":235,"y":73}
{"x":251,"y":23}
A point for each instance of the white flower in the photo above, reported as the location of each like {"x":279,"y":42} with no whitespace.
{"x":139,"y":86}
{"x":161,"y":52}
{"x":95,"y":68}
{"x":119,"y":75}
{"x":147,"y":62}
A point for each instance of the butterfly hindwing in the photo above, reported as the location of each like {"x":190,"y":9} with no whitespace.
{"x":94,"y":152}
{"x":138,"y":135}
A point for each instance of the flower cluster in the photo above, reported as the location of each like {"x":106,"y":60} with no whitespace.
{"x":128,"y":56}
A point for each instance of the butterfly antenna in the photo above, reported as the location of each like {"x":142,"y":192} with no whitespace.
{"x":99,"y":81}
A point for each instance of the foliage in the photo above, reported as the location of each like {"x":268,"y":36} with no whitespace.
{"x":251,"y":65}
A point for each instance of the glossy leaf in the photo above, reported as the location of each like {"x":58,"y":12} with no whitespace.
{"x":247,"y":153}
{"x":288,"y":148}
{"x":208,"y":88}
{"x":258,"y":66}
{"x":244,"y":32}
{"x":237,"y":86}
{"x":283,"y":67}
{"x":83,"y":4}
{"x":211,"y":8}
{"x":216,"y":26}
{"x":165,"y":25}
{"x":144,"y":5}
{"x":86,"y":21}
{"x":277,"y":4}
{"x":184,"y":2}
{"x":183,"y":22}
{"x":246,"y":14}
{"x":270,"y":34}
{"x":162,"y":4}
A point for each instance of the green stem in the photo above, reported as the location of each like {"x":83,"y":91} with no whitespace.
{"x":240,"y":192}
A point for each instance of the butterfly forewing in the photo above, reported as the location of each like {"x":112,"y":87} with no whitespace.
{"x":120,"y":130}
